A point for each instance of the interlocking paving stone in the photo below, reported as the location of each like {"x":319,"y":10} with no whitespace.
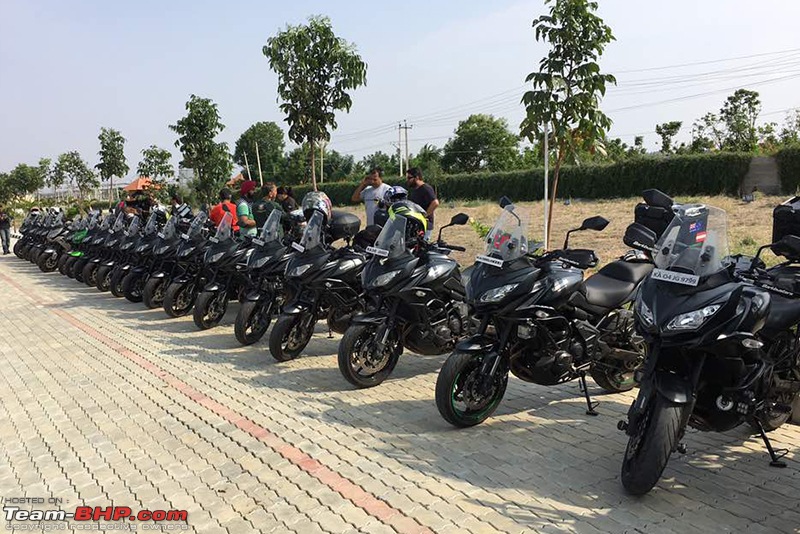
{"x":107,"y":401}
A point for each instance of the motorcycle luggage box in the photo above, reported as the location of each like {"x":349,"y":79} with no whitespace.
{"x":655,"y":218}
{"x":344,"y":225}
{"x":786,"y":221}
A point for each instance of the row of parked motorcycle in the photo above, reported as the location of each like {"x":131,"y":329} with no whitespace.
{"x":710,"y":339}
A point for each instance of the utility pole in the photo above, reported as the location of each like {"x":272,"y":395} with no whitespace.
{"x":546,"y":186}
{"x":399,"y":147}
{"x":258,"y":160}
{"x":406,"y":127}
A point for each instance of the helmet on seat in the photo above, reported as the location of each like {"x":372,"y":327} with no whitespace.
{"x":416,"y":218}
{"x":394,"y":194}
{"x":316,"y":201}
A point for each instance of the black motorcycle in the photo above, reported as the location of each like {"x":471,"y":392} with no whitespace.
{"x":541,"y":321}
{"x":91,"y":245}
{"x":721,"y":351}
{"x":105,"y":251}
{"x":154,"y":258}
{"x":55,"y":244}
{"x":136,"y":251}
{"x":417,"y":303}
{"x":181,"y":286}
{"x":323,"y":282}
{"x":266,"y":266}
{"x":126,"y":239}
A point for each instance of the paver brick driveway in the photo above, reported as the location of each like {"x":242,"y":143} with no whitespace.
{"x":103,"y":402}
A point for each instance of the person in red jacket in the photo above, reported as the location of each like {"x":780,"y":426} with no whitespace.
{"x":218,"y":212}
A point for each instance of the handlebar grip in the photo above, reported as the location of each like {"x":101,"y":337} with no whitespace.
{"x":456,"y":248}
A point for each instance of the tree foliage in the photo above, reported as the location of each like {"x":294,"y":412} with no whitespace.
{"x":569,"y":84}
{"x":739,"y":114}
{"x":315,"y":69}
{"x":71,"y":169}
{"x":269,"y":138}
{"x":428,"y":160}
{"x":481,"y":142}
{"x":667,"y":131}
{"x":112,"y":154}
{"x":22,"y":180}
{"x":155,"y":164}
{"x":209,"y":159}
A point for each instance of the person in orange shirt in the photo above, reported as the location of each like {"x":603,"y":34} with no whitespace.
{"x":218,"y":212}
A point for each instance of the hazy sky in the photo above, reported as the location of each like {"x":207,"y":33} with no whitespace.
{"x":67,"y":68}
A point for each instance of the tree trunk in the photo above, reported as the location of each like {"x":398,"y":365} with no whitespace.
{"x":110,"y":193}
{"x":556,"y":173}
{"x":313,"y":167}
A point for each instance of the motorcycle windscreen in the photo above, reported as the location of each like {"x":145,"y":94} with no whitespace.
{"x":312,"y":235}
{"x":152,"y":224}
{"x":225,"y":228}
{"x":108,"y":220}
{"x":133,"y":227}
{"x":93,"y":220}
{"x":197,"y":224}
{"x":59,"y":220}
{"x":391,"y":242}
{"x":171,"y":228}
{"x":506,"y":240}
{"x":695,"y":242}
{"x":119,"y":223}
{"x":272,"y":229}
{"x":76,"y":223}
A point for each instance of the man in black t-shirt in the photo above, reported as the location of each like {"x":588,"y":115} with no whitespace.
{"x":422,"y":194}
{"x":5,"y":230}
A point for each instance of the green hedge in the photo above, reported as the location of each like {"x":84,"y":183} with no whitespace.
{"x":789,"y":169}
{"x":706,"y":174}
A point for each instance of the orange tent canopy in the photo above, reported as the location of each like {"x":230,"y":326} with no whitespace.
{"x":139,"y":184}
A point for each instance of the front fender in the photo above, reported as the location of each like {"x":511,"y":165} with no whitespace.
{"x":369,"y":318}
{"x":674,"y":388}
{"x":159,"y":274}
{"x":296,"y":308}
{"x":476,"y":344}
{"x":212,"y":287}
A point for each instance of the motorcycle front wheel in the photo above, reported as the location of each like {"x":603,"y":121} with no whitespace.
{"x":62,"y":261}
{"x":103,"y":278}
{"x":117,"y":277}
{"x":48,"y":262}
{"x":89,"y":274}
{"x":461,"y":396}
{"x":359,"y":362}
{"x":253,"y":320}
{"x":179,"y":298}
{"x":210,"y":308}
{"x":650,"y":445}
{"x":133,"y":286}
{"x":18,"y":246}
{"x":290,"y":335}
{"x":153,"y":292}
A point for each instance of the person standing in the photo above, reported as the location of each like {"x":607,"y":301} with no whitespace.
{"x":371,"y":191}
{"x":5,"y":230}
{"x":262,"y":208}
{"x":423,"y":195}
{"x":218,"y":210}
{"x":286,"y":199}
{"x":244,"y":209}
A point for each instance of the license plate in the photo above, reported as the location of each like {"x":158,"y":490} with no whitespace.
{"x":185,"y":236}
{"x":378,"y":252}
{"x":214,"y":240}
{"x":298,"y":247}
{"x":675,"y":278}
{"x":259,"y":242}
{"x":488,"y":260}
{"x":161,"y":235}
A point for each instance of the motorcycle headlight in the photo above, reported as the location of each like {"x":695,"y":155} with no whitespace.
{"x":384,"y":279}
{"x":693,"y":319}
{"x":298,"y":271}
{"x":498,"y":293}
{"x":646,"y":315}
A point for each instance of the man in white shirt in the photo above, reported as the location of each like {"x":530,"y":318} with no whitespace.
{"x":371,"y":190}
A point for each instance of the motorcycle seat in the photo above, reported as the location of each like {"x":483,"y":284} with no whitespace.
{"x":783,"y":313}
{"x":611,"y":286}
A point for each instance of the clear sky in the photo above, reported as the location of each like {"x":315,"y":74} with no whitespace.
{"x":67,"y":68}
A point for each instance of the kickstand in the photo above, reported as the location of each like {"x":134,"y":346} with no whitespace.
{"x":585,"y":390}
{"x":774,"y":454}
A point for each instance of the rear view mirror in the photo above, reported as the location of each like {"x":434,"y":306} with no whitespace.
{"x":459,"y":219}
{"x":595,"y":223}
{"x":654,"y":197}
{"x":505,"y":201}
{"x":640,"y":237}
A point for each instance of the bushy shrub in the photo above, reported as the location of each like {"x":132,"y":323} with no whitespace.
{"x":789,"y":168}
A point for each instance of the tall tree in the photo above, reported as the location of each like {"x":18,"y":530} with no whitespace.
{"x":568,"y":85}
{"x":740,"y":113}
{"x":315,"y":69}
{"x":481,"y":142}
{"x":72,"y":169}
{"x":428,"y":160}
{"x":337,"y":166}
{"x":269,"y":138}
{"x":708,"y":133}
{"x":389,"y":163}
{"x":156,"y":165}
{"x":45,"y":169}
{"x":668,"y":131}
{"x":22,"y":180}
{"x":209,"y":159}
{"x":112,"y":156}
{"x":296,"y":167}
{"x":790,"y":133}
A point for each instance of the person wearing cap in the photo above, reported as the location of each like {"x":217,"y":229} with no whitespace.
{"x":225,"y":206}
{"x":244,"y":209}
{"x":262,"y":208}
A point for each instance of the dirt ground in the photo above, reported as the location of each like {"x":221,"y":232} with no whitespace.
{"x":749,"y":224}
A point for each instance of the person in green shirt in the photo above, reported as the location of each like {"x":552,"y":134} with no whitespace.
{"x":244,"y":209}
{"x":262,"y":208}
